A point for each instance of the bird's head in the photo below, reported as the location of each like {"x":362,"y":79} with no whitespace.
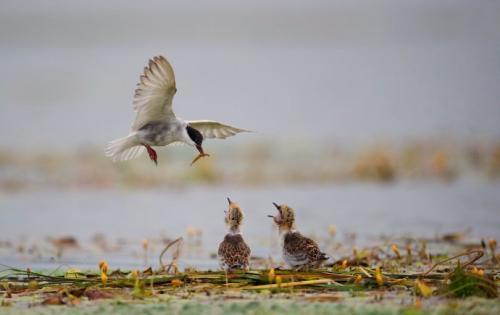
{"x":234,"y":215}
{"x":285,"y":219}
{"x":194,"y":135}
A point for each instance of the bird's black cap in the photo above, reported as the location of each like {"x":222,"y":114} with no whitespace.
{"x":195,"y":135}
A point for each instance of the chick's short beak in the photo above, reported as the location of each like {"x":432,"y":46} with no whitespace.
{"x":271,"y":216}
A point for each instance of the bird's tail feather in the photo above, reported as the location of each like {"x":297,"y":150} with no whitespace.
{"x":324,"y":256}
{"x":124,"y":149}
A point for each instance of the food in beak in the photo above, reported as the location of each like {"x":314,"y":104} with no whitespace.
{"x":199,"y":157}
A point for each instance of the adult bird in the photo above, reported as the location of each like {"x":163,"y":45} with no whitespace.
{"x":156,"y":124}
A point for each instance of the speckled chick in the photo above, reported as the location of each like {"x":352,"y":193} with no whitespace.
{"x":299,"y":251}
{"x":234,"y":253}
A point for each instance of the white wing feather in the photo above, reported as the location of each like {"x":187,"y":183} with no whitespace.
{"x":213,"y":129}
{"x":154,"y":93}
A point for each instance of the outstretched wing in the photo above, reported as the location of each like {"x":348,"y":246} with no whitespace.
{"x":154,"y":93}
{"x":214,"y":129}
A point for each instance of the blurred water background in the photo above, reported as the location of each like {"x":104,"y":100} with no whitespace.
{"x":370,"y":117}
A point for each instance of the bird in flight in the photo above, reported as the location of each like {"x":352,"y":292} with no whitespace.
{"x":156,"y":124}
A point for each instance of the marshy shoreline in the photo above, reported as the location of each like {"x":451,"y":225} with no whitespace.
{"x":421,"y":277}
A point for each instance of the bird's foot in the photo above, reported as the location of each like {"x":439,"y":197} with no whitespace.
{"x":199,"y":157}
{"x":152,"y":154}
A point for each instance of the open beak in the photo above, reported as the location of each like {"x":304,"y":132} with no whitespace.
{"x":276,"y":218}
{"x":277,"y":207}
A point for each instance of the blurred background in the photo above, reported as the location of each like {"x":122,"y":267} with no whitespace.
{"x":371,"y":118}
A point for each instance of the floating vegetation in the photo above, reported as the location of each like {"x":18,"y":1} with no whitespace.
{"x":462,"y":283}
{"x":364,"y":276}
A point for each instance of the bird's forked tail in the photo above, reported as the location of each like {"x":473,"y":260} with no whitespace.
{"x":124,"y":149}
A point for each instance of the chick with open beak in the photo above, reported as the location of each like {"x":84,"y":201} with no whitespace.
{"x":233,"y":252}
{"x":299,"y":252}
{"x":285,"y":219}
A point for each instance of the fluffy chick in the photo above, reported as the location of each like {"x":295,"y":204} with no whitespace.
{"x":233,"y":252}
{"x":299,"y":251}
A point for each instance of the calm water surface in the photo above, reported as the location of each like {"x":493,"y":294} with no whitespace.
{"x":411,"y":208}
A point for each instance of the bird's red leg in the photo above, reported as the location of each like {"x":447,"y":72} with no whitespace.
{"x":202,"y":154}
{"x":152,"y":153}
